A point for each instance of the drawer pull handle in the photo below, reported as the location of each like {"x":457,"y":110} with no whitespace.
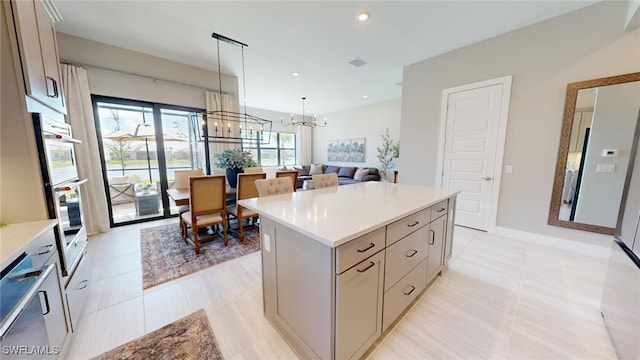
{"x":410,"y":291}
{"x":441,"y":210}
{"x":371,"y":263}
{"x":433,"y":237}
{"x":85,"y":283}
{"x":416,"y":222}
{"x":47,"y":249}
{"x":367,"y":248}
{"x":411,"y":253}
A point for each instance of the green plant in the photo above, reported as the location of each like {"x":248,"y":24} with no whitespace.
{"x":387,"y":153}
{"x":234,"y":159}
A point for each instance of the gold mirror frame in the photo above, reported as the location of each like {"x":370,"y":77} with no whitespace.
{"x":563,"y":150}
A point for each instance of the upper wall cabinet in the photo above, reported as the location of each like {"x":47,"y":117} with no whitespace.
{"x":37,"y":49}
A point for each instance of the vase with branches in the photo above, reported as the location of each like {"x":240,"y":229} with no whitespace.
{"x":387,"y":153}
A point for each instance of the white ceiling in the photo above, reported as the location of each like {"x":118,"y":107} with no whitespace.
{"x":316,"y":38}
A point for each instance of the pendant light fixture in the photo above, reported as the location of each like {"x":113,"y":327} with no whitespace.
{"x":310,"y":122}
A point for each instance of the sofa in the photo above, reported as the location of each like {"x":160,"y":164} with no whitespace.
{"x":346,"y":174}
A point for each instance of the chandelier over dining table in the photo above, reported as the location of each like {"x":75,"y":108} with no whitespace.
{"x":310,"y":122}
{"x":231,"y":127}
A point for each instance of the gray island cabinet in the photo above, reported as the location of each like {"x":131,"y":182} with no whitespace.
{"x":340,"y":265}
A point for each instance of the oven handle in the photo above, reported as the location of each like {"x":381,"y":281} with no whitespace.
{"x":70,"y":185}
{"x":13,"y":315}
{"x":61,"y":138}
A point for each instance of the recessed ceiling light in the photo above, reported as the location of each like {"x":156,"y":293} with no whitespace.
{"x":364,"y":16}
{"x":295,"y":73}
{"x":365,"y":96}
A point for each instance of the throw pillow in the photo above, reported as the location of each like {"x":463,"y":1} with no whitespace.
{"x":360,"y":174}
{"x":347,"y":171}
{"x":302,"y":171}
{"x":332,"y":169}
{"x":315,"y":169}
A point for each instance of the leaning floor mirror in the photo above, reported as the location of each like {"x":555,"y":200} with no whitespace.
{"x":599,"y":139}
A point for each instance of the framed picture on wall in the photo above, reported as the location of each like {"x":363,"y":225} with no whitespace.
{"x":357,"y":150}
{"x":332,"y":150}
{"x":344,"y":149}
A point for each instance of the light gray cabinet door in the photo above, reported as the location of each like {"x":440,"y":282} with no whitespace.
{"x":359,"y":307}
{"x":436,"y":244}
{"x":53,"y":310}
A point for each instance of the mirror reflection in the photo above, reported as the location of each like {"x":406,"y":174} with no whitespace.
{"x":595,"y":150}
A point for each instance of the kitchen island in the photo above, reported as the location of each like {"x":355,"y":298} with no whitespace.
{"x":341,"y":264}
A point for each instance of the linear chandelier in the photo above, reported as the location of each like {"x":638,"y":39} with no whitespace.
{"x":313,"y":122}
{"x":230,"y":127}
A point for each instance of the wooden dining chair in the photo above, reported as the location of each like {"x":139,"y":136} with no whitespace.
{"x":293,"y":174}
{"x":321,"y":181}
{"x":275,"y":186}
{"x":182,"y":182}
{"x":206,"y":208}
{"x":246,"y":189}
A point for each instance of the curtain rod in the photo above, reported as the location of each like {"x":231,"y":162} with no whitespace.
{"x":142,"y":76}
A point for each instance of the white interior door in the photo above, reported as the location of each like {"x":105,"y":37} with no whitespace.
{"x":472,"y":136}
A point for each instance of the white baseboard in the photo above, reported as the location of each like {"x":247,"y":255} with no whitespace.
{"x":597,"y":251}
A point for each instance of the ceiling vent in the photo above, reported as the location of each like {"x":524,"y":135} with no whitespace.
{"x":357,"y":62}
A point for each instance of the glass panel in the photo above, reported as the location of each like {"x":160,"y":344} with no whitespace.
{"x":288,"y":157}
{"x":269,"y":157}
{"x":287,"y":141}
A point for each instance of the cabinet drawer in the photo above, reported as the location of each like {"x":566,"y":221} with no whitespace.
{"x":404,"y":255}
{"x":403,"y":293}
{"x":439,"y":209}
{"x":78,"y":289}
{"x":407,"y":225}
{"x":356,"y":250}
{"x":42,"y":247}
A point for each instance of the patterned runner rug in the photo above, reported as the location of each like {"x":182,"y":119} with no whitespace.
{"x":166,"y":256}
{"x":188,"y":338}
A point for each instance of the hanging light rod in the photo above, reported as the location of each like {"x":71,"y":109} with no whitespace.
{"x":228,"y":40}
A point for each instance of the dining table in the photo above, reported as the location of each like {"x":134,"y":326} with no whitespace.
{"x":181,"y":196}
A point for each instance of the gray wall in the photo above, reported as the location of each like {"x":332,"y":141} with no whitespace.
{"x":586,"y":44}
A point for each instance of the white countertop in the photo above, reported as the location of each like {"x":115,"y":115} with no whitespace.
{"x":15,"y":238}
{"x":336,"y":215}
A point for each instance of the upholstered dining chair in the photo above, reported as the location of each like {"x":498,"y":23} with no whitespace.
{"x":206,"y":207}
{"x":254,"y":169}
{"x":275,"y":186}
{"x":182,"y":182}
{"x":293,"y":174}
{"x":246,"y":189}
{"x":321,"y":181}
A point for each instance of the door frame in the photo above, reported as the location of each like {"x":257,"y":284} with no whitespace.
{"x":505,"y":81}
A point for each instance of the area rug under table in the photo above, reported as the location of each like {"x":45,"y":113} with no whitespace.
{"x":166,"y":256}
{"x":188,"y":338}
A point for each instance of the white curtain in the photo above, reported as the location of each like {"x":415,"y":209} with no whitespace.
{"x":305,"y":134}
{"x":214,"y":101}
{"x":80,"y":116}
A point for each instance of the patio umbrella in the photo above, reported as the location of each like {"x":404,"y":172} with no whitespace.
{"x":141,"y":132}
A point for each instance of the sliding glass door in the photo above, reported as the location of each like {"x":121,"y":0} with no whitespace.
{"x":142,"y":144}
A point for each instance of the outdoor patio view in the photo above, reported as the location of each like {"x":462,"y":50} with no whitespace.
{"x":143,"y":144}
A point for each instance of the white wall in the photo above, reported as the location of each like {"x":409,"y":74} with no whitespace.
{"x":369,"y":122}
{"x":152,"y":88}
{"x":543,"y":58}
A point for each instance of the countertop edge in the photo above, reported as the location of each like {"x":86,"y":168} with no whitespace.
{"x":248,"y":203}
{"x":10,"y":249}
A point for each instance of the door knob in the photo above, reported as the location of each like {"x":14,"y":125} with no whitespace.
{"x":486,"y":178}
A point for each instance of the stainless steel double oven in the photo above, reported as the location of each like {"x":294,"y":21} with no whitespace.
{"x":62,"y":187}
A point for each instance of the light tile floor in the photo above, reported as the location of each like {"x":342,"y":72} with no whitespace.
{"x":500,"y":299}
